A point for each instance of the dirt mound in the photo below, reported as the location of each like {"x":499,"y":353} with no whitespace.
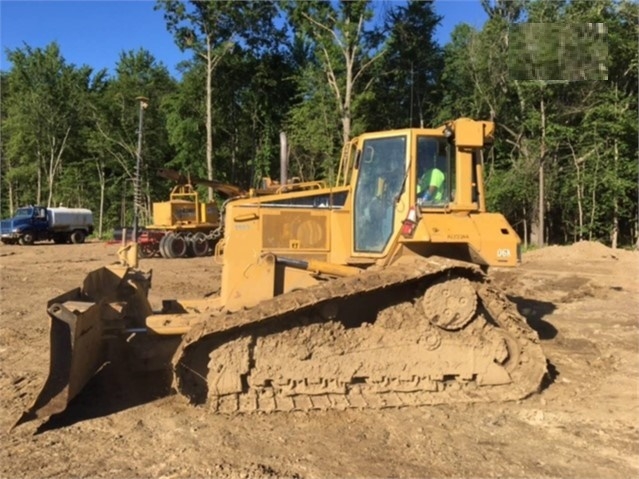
{"x":570,"y":274}
{"x":586,"y":250}
{"x":582,"y":252}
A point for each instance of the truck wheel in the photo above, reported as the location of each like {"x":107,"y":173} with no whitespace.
{"x":199,"y":244}
{"x":177,"y":248}
{"x":147,"y":250}
{"x":77,"y":237}
{"x":164,"y":242}
{"x":26,"y":239}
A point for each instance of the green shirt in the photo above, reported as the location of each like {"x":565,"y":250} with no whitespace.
{"x":433,"y":177}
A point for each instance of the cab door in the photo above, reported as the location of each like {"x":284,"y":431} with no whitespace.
{"x":381,"y":179}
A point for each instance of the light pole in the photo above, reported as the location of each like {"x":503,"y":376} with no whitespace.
{"x":144,"y":102}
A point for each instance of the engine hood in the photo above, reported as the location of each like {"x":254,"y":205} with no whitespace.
{"x":7,"y":226}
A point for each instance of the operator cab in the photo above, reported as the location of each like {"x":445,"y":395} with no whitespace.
{"x":385,"y":174}
{"x":434,"y":171}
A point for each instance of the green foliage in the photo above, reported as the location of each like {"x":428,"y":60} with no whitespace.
{"x":581,"y":134}
{"x":44,"y":105}
{"x":406,"y":82}
{"x":344,"y":44}
{"x":313,"y":126}
{"x":184,"y":109}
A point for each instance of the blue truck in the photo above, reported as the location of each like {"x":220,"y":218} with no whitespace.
{"x":38,"y":223}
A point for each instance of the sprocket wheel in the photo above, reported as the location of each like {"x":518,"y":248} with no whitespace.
{"x":450,"y":304}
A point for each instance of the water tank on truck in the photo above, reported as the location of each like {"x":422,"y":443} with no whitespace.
{"x":70,"y":224}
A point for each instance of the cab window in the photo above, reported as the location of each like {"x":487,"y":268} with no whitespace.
{"x":435,"y":171}
{"x":380,"y":181}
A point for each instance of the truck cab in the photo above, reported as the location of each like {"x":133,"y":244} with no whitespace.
{"x":25,"y":226}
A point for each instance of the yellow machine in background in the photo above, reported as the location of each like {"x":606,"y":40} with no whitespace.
{"x":184,"y":208}
{"x":185,"y":225}
{"x":368,"y":294}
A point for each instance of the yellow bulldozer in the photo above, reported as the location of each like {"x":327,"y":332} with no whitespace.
{"x":368,"y":294}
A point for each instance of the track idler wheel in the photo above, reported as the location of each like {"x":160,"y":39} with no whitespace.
{"x":450,"y":304}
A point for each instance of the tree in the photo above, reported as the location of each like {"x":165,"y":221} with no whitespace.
{"x":44,"y":111}
{"x":560,"y":131}
{"x":313,"y":126}
{"x":212,"y":30}
{"x":406,"y":85}
{"x":114,"y":132}
{"x":255,"y":99}
{"x":345,"y":44}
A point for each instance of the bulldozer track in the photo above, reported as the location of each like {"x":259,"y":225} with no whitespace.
{"x":218,"y":361}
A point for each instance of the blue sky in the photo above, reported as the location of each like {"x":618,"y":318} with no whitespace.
{"x":95,"y":32}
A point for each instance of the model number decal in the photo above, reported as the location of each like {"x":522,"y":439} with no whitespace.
{"x":503,"y":253}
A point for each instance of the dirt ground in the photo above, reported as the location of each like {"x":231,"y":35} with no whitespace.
{"x":582,"y":300}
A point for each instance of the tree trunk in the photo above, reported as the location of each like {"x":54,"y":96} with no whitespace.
{"x":346,"y":112}
{"x":11,"y":202}
{"x":580,"y":207}
{"x":540,"y":206}
{"x":55,"y":159}
{"x":542,"y":155}
{"x":101,"y":177}
{"x":123,"y":207}
{"x":50,"y":180}
{"x":594,"y":198}
{"x":614,"y":236}
{"x":39,"y":186}
{"x":209,"y":114}
{"x":235,"y":141}
{"x":525,"y":230}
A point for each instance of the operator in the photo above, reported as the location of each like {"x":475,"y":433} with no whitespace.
{"x":430,"y":184}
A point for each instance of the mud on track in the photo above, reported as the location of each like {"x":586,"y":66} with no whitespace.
{"x":582,"y":300}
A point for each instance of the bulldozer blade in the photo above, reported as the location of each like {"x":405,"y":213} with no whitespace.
{"x":77,"y":353}
{"x":111,"y":298}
